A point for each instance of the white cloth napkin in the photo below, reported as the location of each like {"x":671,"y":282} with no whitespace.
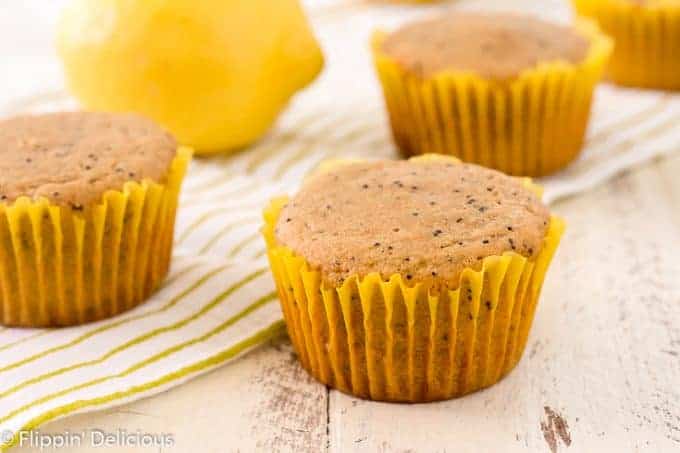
{"x":219,"y":299}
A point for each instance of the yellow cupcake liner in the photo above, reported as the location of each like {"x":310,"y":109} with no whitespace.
{"x":532,"y":125}
{"x":60,"y":266}
{"x":391,"y":341}
{"x":647,"y":52}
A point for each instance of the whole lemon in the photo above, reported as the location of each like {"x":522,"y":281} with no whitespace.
{"x":216,"y":73}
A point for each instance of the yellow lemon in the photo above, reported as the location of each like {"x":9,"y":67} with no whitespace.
{"x":216,"y":73}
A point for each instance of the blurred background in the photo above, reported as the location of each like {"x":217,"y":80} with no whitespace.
{"x":27,"y":56}
{"x":346,"y":98}
{"x":29,"y":65}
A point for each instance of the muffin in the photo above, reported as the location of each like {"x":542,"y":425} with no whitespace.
{"x":87,"y":212}
{"x":505,"y":91}
{"x":647,"y":35}
{"x":412,"y":280}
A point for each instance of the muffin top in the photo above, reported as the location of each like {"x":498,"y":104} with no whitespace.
{"x":491,"y":45}
{"x":425,"y":219}
{"x":73,"y":158}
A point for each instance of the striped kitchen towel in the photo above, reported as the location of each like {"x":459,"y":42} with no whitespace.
{"x":219,"y":298}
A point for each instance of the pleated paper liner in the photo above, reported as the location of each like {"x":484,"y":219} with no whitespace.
{"x":531,"y":126}
{"x":647,"y":51}
{"x":60,"y":266}
{"x":391,"y":341}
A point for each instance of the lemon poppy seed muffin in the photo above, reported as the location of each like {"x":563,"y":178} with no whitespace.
{"x":428,"y":221}
{"x":507,"y":91}
{"x":72,"y":158}
{"x":410,"y":280}
{"x":490,"y":45}
{"x":647,"y":35}
{"x":87,"y":209}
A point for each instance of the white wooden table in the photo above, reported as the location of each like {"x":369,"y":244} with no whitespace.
{"x":601,"y":372}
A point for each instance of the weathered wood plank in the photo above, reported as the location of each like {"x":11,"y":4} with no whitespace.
{"x":668,"y":171}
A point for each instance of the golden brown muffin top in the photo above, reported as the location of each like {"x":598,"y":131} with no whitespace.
{"x":426,"y":220}
{"x":73,"y":158}
{"x":491,"y":45}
